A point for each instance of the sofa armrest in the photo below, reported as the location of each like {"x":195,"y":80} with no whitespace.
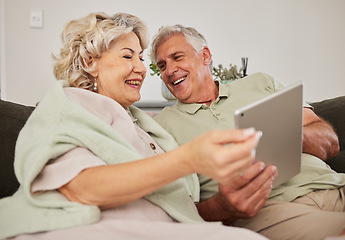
{"x":12,"y":119}
{"x":333,"y":111}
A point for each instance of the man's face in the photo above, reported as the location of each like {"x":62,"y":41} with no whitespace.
{"x":182,"y":68}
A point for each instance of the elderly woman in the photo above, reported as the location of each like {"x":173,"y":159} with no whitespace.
{"x":93,"y":166}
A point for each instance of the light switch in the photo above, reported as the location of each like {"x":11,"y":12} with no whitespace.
{"x":36,"y":19}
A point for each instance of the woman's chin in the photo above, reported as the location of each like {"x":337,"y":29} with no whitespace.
{"x":136,"y":99}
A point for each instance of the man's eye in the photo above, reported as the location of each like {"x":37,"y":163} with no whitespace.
{"x":178,"y":57}
{"x":161,"y":67}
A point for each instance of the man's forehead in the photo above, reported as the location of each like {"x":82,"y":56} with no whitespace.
{"x":171,"y":54}
{"x":171,"y":47}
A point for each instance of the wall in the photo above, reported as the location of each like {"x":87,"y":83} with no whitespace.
{"x":293,"y":40}
{"x":2,"y":48}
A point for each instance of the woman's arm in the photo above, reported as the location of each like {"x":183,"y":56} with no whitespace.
{"x":210,"y":155}
{"x":113,"y":185}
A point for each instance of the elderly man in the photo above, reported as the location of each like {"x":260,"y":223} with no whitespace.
{"x":309,"y":206}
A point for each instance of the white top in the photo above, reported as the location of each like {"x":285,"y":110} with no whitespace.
{"x":63,"y":169}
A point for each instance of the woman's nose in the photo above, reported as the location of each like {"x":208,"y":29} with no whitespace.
{"x":140,"y":67}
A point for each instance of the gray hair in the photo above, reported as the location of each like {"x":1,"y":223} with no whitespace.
{"x":91,"y":36}
{"x":192,"y":36}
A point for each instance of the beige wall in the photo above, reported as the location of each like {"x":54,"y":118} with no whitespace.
{"x":294,"y":40}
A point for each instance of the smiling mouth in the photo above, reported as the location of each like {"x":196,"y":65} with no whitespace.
{"x":179,"y":80}
{"x":134,"y":82}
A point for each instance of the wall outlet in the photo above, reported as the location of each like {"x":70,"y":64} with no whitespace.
{"x":36,"y":19}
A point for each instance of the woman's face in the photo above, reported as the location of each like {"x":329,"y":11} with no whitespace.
{"x":120,"y":70}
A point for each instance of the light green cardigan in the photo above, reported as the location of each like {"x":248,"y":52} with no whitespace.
{"x":59,"y":125}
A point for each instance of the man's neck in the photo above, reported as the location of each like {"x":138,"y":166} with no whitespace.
{"x":211,"y":93}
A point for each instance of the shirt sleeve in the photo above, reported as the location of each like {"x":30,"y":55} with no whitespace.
{"x":63,"y":169}
{"x":280,"y":86}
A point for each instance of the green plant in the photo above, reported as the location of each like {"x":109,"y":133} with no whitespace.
{"x":154,"y":69}
{"x":224,"y":74}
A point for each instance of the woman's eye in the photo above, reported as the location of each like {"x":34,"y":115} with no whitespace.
{"x":141,"y":59}
{"x":128,"y":56}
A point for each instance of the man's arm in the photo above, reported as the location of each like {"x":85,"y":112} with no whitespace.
{"x":242,"y":198}
{"x":319,"y":138}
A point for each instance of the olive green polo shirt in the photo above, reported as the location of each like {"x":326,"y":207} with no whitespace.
{"x":187,"y":121}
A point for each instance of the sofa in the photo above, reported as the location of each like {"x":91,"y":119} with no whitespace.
{"x":13,"y":117}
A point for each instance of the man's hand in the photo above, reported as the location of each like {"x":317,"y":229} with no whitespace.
{"x":319,"y":138}
{"x":243,"y":197}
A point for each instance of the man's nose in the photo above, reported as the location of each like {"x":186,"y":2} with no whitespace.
{"x":171,"y":68}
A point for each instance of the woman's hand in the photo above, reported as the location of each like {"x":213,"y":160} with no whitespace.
{"x":219,"y":154}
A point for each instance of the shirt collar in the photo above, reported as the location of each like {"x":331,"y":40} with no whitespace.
{"x":224,"y":90}
{"x":192,"y":108}
{"x":134,"y":120}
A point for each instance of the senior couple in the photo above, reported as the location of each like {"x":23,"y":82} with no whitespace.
{"x":92,"y":165}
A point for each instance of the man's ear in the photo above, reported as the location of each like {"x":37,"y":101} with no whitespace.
{"x":90,"y":63}
{"x":206,"y":54}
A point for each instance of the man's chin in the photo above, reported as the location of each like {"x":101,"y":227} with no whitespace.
{"x":182,"y":98}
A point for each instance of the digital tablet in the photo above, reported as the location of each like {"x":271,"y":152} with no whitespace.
{"x":280,"y":118}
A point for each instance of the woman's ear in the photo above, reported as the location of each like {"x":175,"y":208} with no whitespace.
{"x":90,"y":63}
{"x":206,"y":54}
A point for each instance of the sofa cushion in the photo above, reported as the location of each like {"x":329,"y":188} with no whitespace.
{"x":333,"y":111}
{"x":12,"y":119}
